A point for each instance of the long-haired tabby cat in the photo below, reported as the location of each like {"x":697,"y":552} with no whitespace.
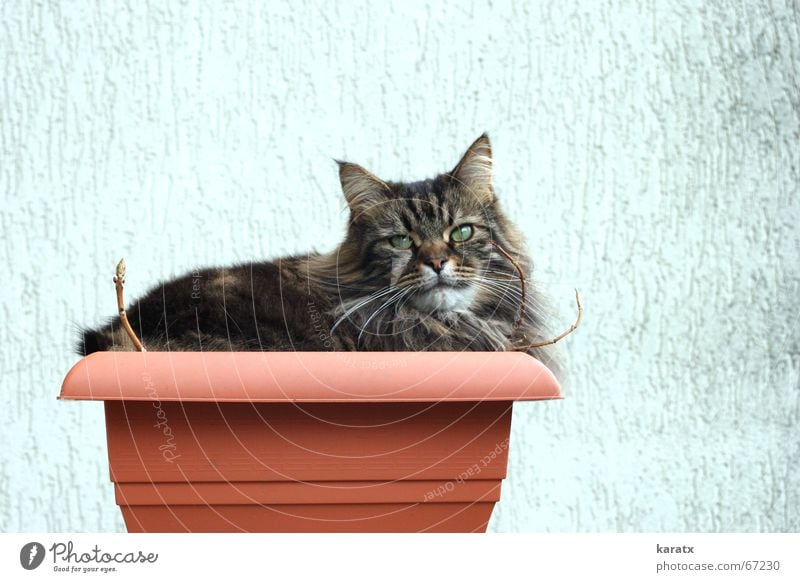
{"x":419,"y":269}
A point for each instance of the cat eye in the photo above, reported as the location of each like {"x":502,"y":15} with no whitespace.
{"x":461,"y":233}
{"x":401,"y":241}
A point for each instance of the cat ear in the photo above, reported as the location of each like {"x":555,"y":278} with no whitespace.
{"x":362,"y":190}
{"x":474,"y":171}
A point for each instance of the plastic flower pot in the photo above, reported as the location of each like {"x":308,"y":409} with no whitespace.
{"x":308,"y":441}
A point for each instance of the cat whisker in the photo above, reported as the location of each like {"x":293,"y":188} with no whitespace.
{"x":386,"y":304}
{"x":361,"y":303}
{"x":507,"y":275}
{"x":408,"y":280}
{"x":510,"y":284}
{"x":507,"y":281}
{"x":491,"y":269}
{"x":500,"y":291}
{"x":403,"y":301}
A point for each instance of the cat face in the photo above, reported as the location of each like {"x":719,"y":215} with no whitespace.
{"x":430,"y":244}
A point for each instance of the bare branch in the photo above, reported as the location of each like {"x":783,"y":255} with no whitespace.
{"x":572,"y":328}
{"x":119,"y":282}
{"x":521,"y":273}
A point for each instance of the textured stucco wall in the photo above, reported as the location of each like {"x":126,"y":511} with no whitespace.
{"x":649,"y":149}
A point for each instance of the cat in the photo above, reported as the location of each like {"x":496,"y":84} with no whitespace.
{"x":424,"y":266}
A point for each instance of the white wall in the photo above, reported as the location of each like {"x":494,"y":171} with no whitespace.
{"x":649,"y":150}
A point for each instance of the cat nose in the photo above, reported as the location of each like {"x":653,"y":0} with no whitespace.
{"x":434,"y":255}
{"x":437,"y":264}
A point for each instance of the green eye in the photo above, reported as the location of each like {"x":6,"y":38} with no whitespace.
{"x":401,"y":241}
{"x":461,"y":233}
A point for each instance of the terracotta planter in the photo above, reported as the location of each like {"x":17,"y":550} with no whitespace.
{"x":308,"y":441}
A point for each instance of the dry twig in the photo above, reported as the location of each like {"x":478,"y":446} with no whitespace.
{"x":518,"y":267}
{"x":572,"y":328}
{"x":119,"y":282}
{"x":521,"y":315}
